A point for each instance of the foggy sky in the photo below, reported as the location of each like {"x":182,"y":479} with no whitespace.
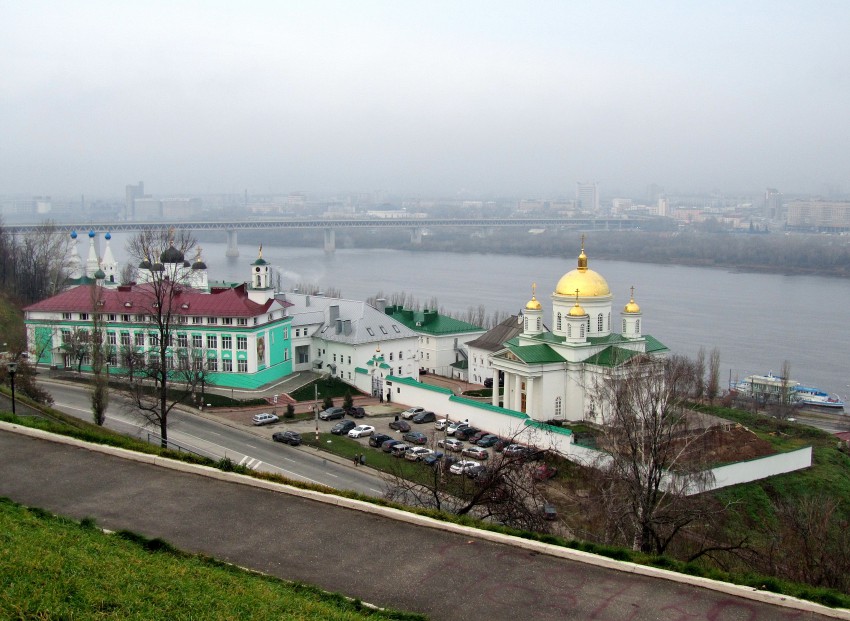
{"x":434,"y":98}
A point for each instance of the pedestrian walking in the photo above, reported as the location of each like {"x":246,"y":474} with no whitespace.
{"x":356,"y":459}
{"x":381,"y":397}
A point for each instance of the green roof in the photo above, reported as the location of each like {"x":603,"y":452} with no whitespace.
{"x":460,"y":364}
{"x":361,"y":370}
{"x":610,"y":339}
{"x":430,"y":322}
{"x":612,"y":357}
{"x":653,"y":344}
{"x":535,"y":354}
{"x":488,"y":406}
{"x":545,"y":427}
{"x":409,"y":381}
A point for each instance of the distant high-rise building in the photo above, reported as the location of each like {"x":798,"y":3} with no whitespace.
{"x":132,"y":192}
{"x":587,"y":196}
{"x":654,"y":192}
{"x":773,"y":204}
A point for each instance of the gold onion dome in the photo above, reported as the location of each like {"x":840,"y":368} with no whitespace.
{"x":588,"y":282}
{"x":631,"y":307}
{"x":533,"y":304}
{"x":577,"y":310}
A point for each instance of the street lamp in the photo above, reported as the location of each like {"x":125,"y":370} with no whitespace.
{"x":12,"y":367}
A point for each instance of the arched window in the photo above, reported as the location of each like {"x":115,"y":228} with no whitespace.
{"x":637,"y":326}
{"x":557,"y":407}
{"x":569,"y":330}
{"x":538,"y":324}
{"x":608,"y":323}
{"x":559,"y":321}
{"x":581,"y":334}
{"x":624,"y":326}
{"x":526,"y":324}
{"x":599,"y":323}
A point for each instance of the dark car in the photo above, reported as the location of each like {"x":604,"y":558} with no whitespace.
{"x":475,"y":438}
{"x":415,"y":437}
{"x":356,"y":412}
{"x":475,"y":472}
{"x":488,"y":440}
{"x":343,"y":427}
{"x":424,"y":417}
{"x":400,"y":425}
{"x":378,"y":439}
{"x":287,"y":437}
{"x":388,"y":445}
{"x":432,"y":459}
{"x":549,"y":512}
{"x":488,"y":381}
{"x":466,"y":433}
{"x":544,"y":472}
{"x":501,"y":444}
{"x":332,"y":413}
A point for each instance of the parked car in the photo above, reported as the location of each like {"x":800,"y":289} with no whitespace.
{"x":489,"y":440}
{"x":432,"y":459}
{"x":388,"y":445}
{"x":478,"y":472}
{"x":415,"y":437}
{"x":400,"y":425}
{"x":377,"y":439}
{"x":466,"y":433}
{"x":417,"y":453}
{"x":453,"y":427}
{"x":356,"y":411}
{"x":332,"y":413}
{"x":361,"y":431}
{"x":544,"y":472}
{"x":441,"y":423}
{"x":424,"y":417}
{"x":450,"y":444}
{"x":398,"y":450}
{"x":502,"y":444}
{"x":462,"y":466}
{"x":287,"y":437}
{"x":549,"y":511}
{"x":476,"y":452}
{"x":488,"y":381}
{"x":411,"y":412}
{"x":476,"y":437}
{"x":343,"y":427}
{"x":265,"y":418}
{"x":515,"y":450}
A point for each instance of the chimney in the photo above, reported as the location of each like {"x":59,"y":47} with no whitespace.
{"x":334,"y":312}
{"x":306,"y":300}
{"x":346,"y":327}
{"x":381,"y":305}
{"x":339,"y":326}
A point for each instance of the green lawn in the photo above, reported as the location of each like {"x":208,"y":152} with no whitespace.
{"x":55,"y":568}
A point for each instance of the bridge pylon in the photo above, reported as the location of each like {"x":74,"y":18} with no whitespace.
{"x":232,"y":244}
{"x":330,"y":241}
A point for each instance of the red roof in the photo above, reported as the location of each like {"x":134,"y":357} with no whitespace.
{"x":138,"y":299}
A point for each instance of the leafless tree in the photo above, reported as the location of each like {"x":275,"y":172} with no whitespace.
{"x":698,"y":379}
{"x":150,"y":393}
{"x":785,"y":405}
{"x":101,"y":353}
{"x":652,"y":464}
{"x":76,"y":343}
{"x":33,"y":266}
{"x":712,"y":388}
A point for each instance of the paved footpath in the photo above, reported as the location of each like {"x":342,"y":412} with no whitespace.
{"x":341,"y":547}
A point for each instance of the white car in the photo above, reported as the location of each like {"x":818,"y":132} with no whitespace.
{"x":441,"y":423}
{"x":411,"y":412}
{"x":361,"y":431}
{"x":265,"y":418}
{"x":460,"y":467}
{"x":455,"y":426}
{"x":417,"y":453}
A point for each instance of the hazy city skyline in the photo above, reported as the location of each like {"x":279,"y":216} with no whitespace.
{"x":436,"y":98}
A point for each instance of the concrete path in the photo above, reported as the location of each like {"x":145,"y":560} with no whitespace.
{"x":382,"y":556}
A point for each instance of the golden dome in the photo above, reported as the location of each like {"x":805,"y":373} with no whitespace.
{"x":631,"y":307}
{"x":533,"y":304}
{"x":577,"y":311}
{"x":589,"y":283}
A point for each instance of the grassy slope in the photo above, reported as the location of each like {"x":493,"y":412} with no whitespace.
{"x":55,"y":568}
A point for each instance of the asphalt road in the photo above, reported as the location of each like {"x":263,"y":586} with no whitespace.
{"x":217,"y":441}
{"x":384,"y":561}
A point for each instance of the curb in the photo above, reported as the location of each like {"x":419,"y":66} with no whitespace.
{"x":735,"y":590}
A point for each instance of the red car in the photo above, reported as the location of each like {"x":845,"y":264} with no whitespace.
{"x":544,"y":472}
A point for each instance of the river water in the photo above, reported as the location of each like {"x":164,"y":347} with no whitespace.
{"x":755,"y":320}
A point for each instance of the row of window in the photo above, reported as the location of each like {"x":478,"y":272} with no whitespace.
{"x":139,"y":339}
{"x":600,"y":322}
{"x":182,"y":319}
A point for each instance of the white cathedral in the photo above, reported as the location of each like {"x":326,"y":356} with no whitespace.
{"x":549,"y":373}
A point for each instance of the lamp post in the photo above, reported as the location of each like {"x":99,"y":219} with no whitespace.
{"x":12,"y":367}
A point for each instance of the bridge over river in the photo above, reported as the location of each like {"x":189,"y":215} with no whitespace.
{"x":416,"y":226}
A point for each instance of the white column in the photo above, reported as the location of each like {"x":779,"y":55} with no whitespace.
{"x":529,"y":396}
{"x":495,"y":398}
{"x":517,"y":400}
